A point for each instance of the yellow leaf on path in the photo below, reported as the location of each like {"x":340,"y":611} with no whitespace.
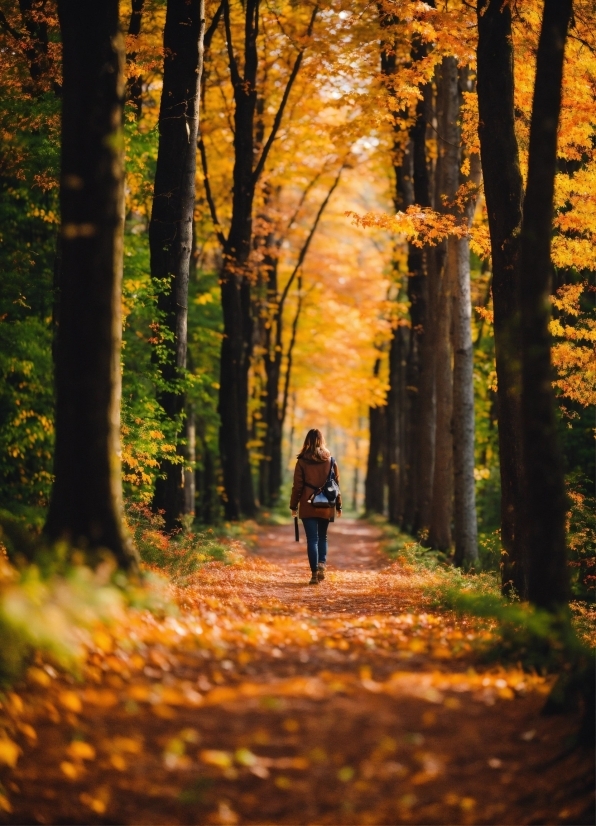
{"x":9,"y":752}
{"x":71,"y":701}
{"x":70,"y":770}
{"x":39,"y":676}
{"x":28,"y":731}
{"x":126,"y":744}
{"x":417,"y":646}
{"x":221,"y":695}
{"x":5,"y":804}
{"x":163,"y":711}
{"x":16,"y":704}
{"x":118,"y":762}
{"x":103,"y":641}
{"x":213,"y":757}
{"x":100,"y":697}
{"x":81,"y":750}
{"x":140,"y":693}
{"x":172,"y":696}
{"x":94,"y":803}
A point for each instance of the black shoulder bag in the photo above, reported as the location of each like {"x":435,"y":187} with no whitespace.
{"x":326,"y":495}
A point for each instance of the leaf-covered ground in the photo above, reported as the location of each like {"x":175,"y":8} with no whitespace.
{"x":268,"y":701}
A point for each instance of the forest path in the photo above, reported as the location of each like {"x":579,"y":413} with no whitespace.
{"x":268,"y":701}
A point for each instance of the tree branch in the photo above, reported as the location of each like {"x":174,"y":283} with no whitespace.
{"x":213,"y":26}
{"x":209,"y":194}
{"x":309,"y":237}
{"x":10,"y":29}
{"x":286,"y":391}
{"x":279,"y":115}
{"x":303,"y":199}
{"x":235,"y":74}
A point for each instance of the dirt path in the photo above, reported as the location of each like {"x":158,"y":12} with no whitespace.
{"x":268,"y":701}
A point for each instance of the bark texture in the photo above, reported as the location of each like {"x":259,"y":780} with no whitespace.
{"x":86,"y":501}
{"x":420,"y":426}
{"x":235,"y":274}
{"x":235,"y":286}
{"x":446,"y":184}
{"x":374,"y":485}
{"x":465,"y":521}
{"x":171,"y":227}
{"x":543,"y":481}
{"x":503,"y":192}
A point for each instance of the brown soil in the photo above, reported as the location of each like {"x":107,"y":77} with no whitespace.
{"x":347,"y":702}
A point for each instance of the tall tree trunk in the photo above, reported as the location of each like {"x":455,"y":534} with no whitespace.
{"x":439,"y":535}
{"x":374,"y":484}
{"x":190,"y":458}
{"x":235,"y":285}
{"x":446,"y":184}
{"x":465,"y":521}
{"x":421,"y":360}
{"x":170,"y":230}
{"x":274,"y":407}
{"x":234,"y":277}
{"x":86,"y":501}
{"x":503,"y":190}
{"x":543,"y":482}
{"x":396,"y":420}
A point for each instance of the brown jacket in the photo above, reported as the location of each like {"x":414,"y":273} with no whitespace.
{"x":315,"y":472}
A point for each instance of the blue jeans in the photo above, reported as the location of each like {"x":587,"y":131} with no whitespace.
{"x":315,"y":529}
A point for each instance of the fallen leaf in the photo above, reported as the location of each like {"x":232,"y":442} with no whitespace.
{"x":80,"y":750}
{"x":71,"y":701}
{"x":9,"y":752}
{"x":213,"y":757}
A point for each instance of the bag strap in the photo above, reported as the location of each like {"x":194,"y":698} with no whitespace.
{"x":304,"y":482}
{"x":330,"y":476}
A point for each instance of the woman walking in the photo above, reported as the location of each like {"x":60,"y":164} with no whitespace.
{"x":311,"y":472}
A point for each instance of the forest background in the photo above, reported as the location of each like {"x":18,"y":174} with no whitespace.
{"x":340,"y":89}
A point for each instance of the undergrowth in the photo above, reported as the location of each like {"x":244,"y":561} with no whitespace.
{"x":182,"y":555}
{"x":52,"y":603}
{"x":519,"y":632}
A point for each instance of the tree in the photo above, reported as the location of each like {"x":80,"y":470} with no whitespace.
{"x":276,"y":391}
{"x":235,"y":274}
{"x":503,"y":192}
{"x":465,"y":523}
{"x":86,"y":500}
{"x":170,"y":230}
{"x":543,"y":486}
{"x":443,"y":275}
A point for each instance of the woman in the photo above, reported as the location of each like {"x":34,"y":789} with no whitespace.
{"x":311,"y":472}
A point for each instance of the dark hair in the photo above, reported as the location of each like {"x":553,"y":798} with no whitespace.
{"x":314,"y":446}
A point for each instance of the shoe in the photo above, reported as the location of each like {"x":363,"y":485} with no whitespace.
{"x":314,"y":580}
{"x":321,"y":571}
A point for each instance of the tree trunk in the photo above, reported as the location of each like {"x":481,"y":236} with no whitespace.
{"x":543,"y":481}
{"x":190,"y":458}
{"x":446,"y":183}
{"x":170,"y":230}
{"x":421,"y":359}
{"x":86,"y":501}
{"x":503,"y":190}
{"x":465,"y":521}
{"x":396,"y":422}
{"x":235,"y":285}
{"x":374,"y":484}
{"x":439,"y":535}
